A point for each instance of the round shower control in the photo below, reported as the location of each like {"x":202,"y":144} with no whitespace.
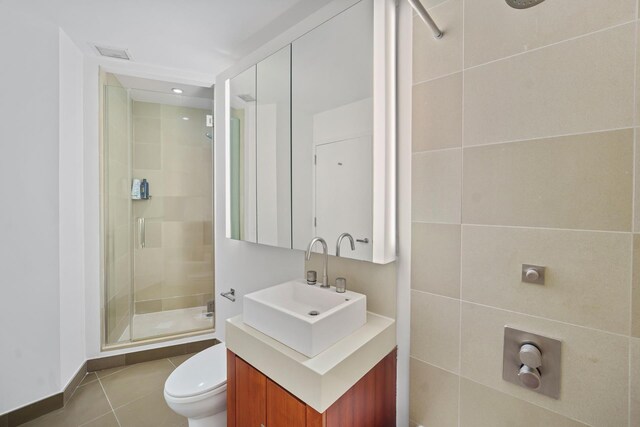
{"x":530,"y":355}
{"x":532,"y":275}
{"x":529,"y":377}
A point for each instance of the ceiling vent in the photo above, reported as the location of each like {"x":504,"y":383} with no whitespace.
{"x":114,"y":52}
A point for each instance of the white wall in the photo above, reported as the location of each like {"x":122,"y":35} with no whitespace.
{"x":72,"y":333}
{"x":29,"y":211}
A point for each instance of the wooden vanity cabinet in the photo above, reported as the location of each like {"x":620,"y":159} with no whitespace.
{"x":254,"y":400}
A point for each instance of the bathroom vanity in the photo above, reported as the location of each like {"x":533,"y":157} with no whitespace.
{"x":352,"y":383}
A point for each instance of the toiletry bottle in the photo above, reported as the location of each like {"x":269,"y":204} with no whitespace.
{"x":146,"y":188}
{"x":143,"y":189}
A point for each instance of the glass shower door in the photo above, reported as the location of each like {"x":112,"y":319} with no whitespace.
{"x":158,"y":178}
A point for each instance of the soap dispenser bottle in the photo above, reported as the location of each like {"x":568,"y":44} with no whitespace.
{"x":144,"y":189}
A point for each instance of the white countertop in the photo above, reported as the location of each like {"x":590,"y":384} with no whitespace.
{"x":318,"y":381}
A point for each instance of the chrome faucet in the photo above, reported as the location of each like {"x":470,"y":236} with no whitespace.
{"x":325,"y":251}
{"x":339,"y":242}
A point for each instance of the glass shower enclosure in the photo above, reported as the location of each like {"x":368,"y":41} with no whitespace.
{"x":157,"y":200}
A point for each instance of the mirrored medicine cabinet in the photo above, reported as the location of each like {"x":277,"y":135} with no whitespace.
{"x":310,"y":139}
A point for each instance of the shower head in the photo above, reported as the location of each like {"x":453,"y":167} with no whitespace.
{"x":523,"y":4}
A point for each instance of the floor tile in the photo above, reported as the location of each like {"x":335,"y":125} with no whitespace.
{"x":136,"y":381}
{"x":149,"y":411}
{"x":107,"y":420}
{"x":106,"y":372}
{"x":89,"y":378}
{"x":86,"y":404}
{"x":179,"y":360}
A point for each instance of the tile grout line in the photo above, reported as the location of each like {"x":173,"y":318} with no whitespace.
{"x":491,"y":387}
{"x":585,"y":35}
{"x":633,"y":217}
{"x":526,"y":227}
{"x":94,"y":419}
{"x":634,"y":207}
{"x":529,"y":139}
{"x":527,"y":401}
{"x":170,"y":361}
{"x":109,"y":402}
{"x":548,"y":319}
{"x":462,"y":151}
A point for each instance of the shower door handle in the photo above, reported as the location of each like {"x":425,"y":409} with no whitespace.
{"x":142,"y":233}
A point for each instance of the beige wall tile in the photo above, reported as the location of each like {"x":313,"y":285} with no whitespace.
{"x":581,"y":85}
{"x":153,"y":233}
{"x":150,"y":306}
{"x":146,"y":109}
{"x":147,"y":261}
{"x":437,"y":114}
{"x":147,"y":156}
{"x":635,"y":382}
{"x":376,"y":281}
{"x":149,"y":287}
{"x":586,"y":280}
{"x":182,"y":234}
{"x":435,"y":330}
{"x":191,"y":208}
{"x":482,"y":406}
{"x":433,"y":395}
{"x":435,"y":258}
{"x":510,"y":31}
{"x":185,"y":301}
{"x":146,"y":130}
{"x":595,"y":365}
{"x":635,"y":288}
{"x":438,"y":57}
{"x":582,"y":181}
{"x":636,"y":196}
{"x":436,"y":186}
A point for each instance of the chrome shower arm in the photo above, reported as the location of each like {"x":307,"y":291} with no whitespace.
{"x":422,"y":12}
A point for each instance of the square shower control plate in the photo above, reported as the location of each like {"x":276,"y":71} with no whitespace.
{"x":550,"y":348}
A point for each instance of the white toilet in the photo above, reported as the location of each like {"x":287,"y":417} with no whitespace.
{"x":197,"y":389}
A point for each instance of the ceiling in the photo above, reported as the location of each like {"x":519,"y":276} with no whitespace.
{"x":198,"y":36}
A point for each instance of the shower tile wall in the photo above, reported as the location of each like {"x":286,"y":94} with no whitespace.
{"x":118,"y":182}
{"x":175,"y":269}
{"x":524,"y":125}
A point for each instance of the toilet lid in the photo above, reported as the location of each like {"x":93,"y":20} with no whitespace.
{"x":199,"y":374}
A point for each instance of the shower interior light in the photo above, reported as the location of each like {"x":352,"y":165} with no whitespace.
{"x":176,"y":90}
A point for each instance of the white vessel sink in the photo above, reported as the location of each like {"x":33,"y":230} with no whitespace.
{"x":285,"y":312}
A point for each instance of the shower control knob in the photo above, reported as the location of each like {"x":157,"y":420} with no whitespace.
{"x":532,"y":275}
{"x":530,"y":356}
{"x":529,"y":377}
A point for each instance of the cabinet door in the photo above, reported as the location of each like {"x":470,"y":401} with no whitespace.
{"x":251,"y":396}
{"x":283,"y":409}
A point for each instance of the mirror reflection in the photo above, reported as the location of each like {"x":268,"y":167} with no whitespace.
{"x":242,"y":156}
{"x":332,"y":128}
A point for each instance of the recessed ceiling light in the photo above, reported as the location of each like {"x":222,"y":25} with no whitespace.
{"x":185,"y":118}
{"x":176,"y":90}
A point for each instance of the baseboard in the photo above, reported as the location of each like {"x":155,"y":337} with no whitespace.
{"x":101,"y":363}
{"x":49,"y":404}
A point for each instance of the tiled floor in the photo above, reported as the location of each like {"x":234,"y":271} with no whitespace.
{"x":128,"y":396}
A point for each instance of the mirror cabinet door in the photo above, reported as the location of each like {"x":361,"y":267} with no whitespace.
{"x":241,"y":145}
{"x":332,"y":132}
{"x":259,"y":144}
{"x":274,"y":149}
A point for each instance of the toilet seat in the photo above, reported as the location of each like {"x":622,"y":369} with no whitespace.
{"x":201,"y":376}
